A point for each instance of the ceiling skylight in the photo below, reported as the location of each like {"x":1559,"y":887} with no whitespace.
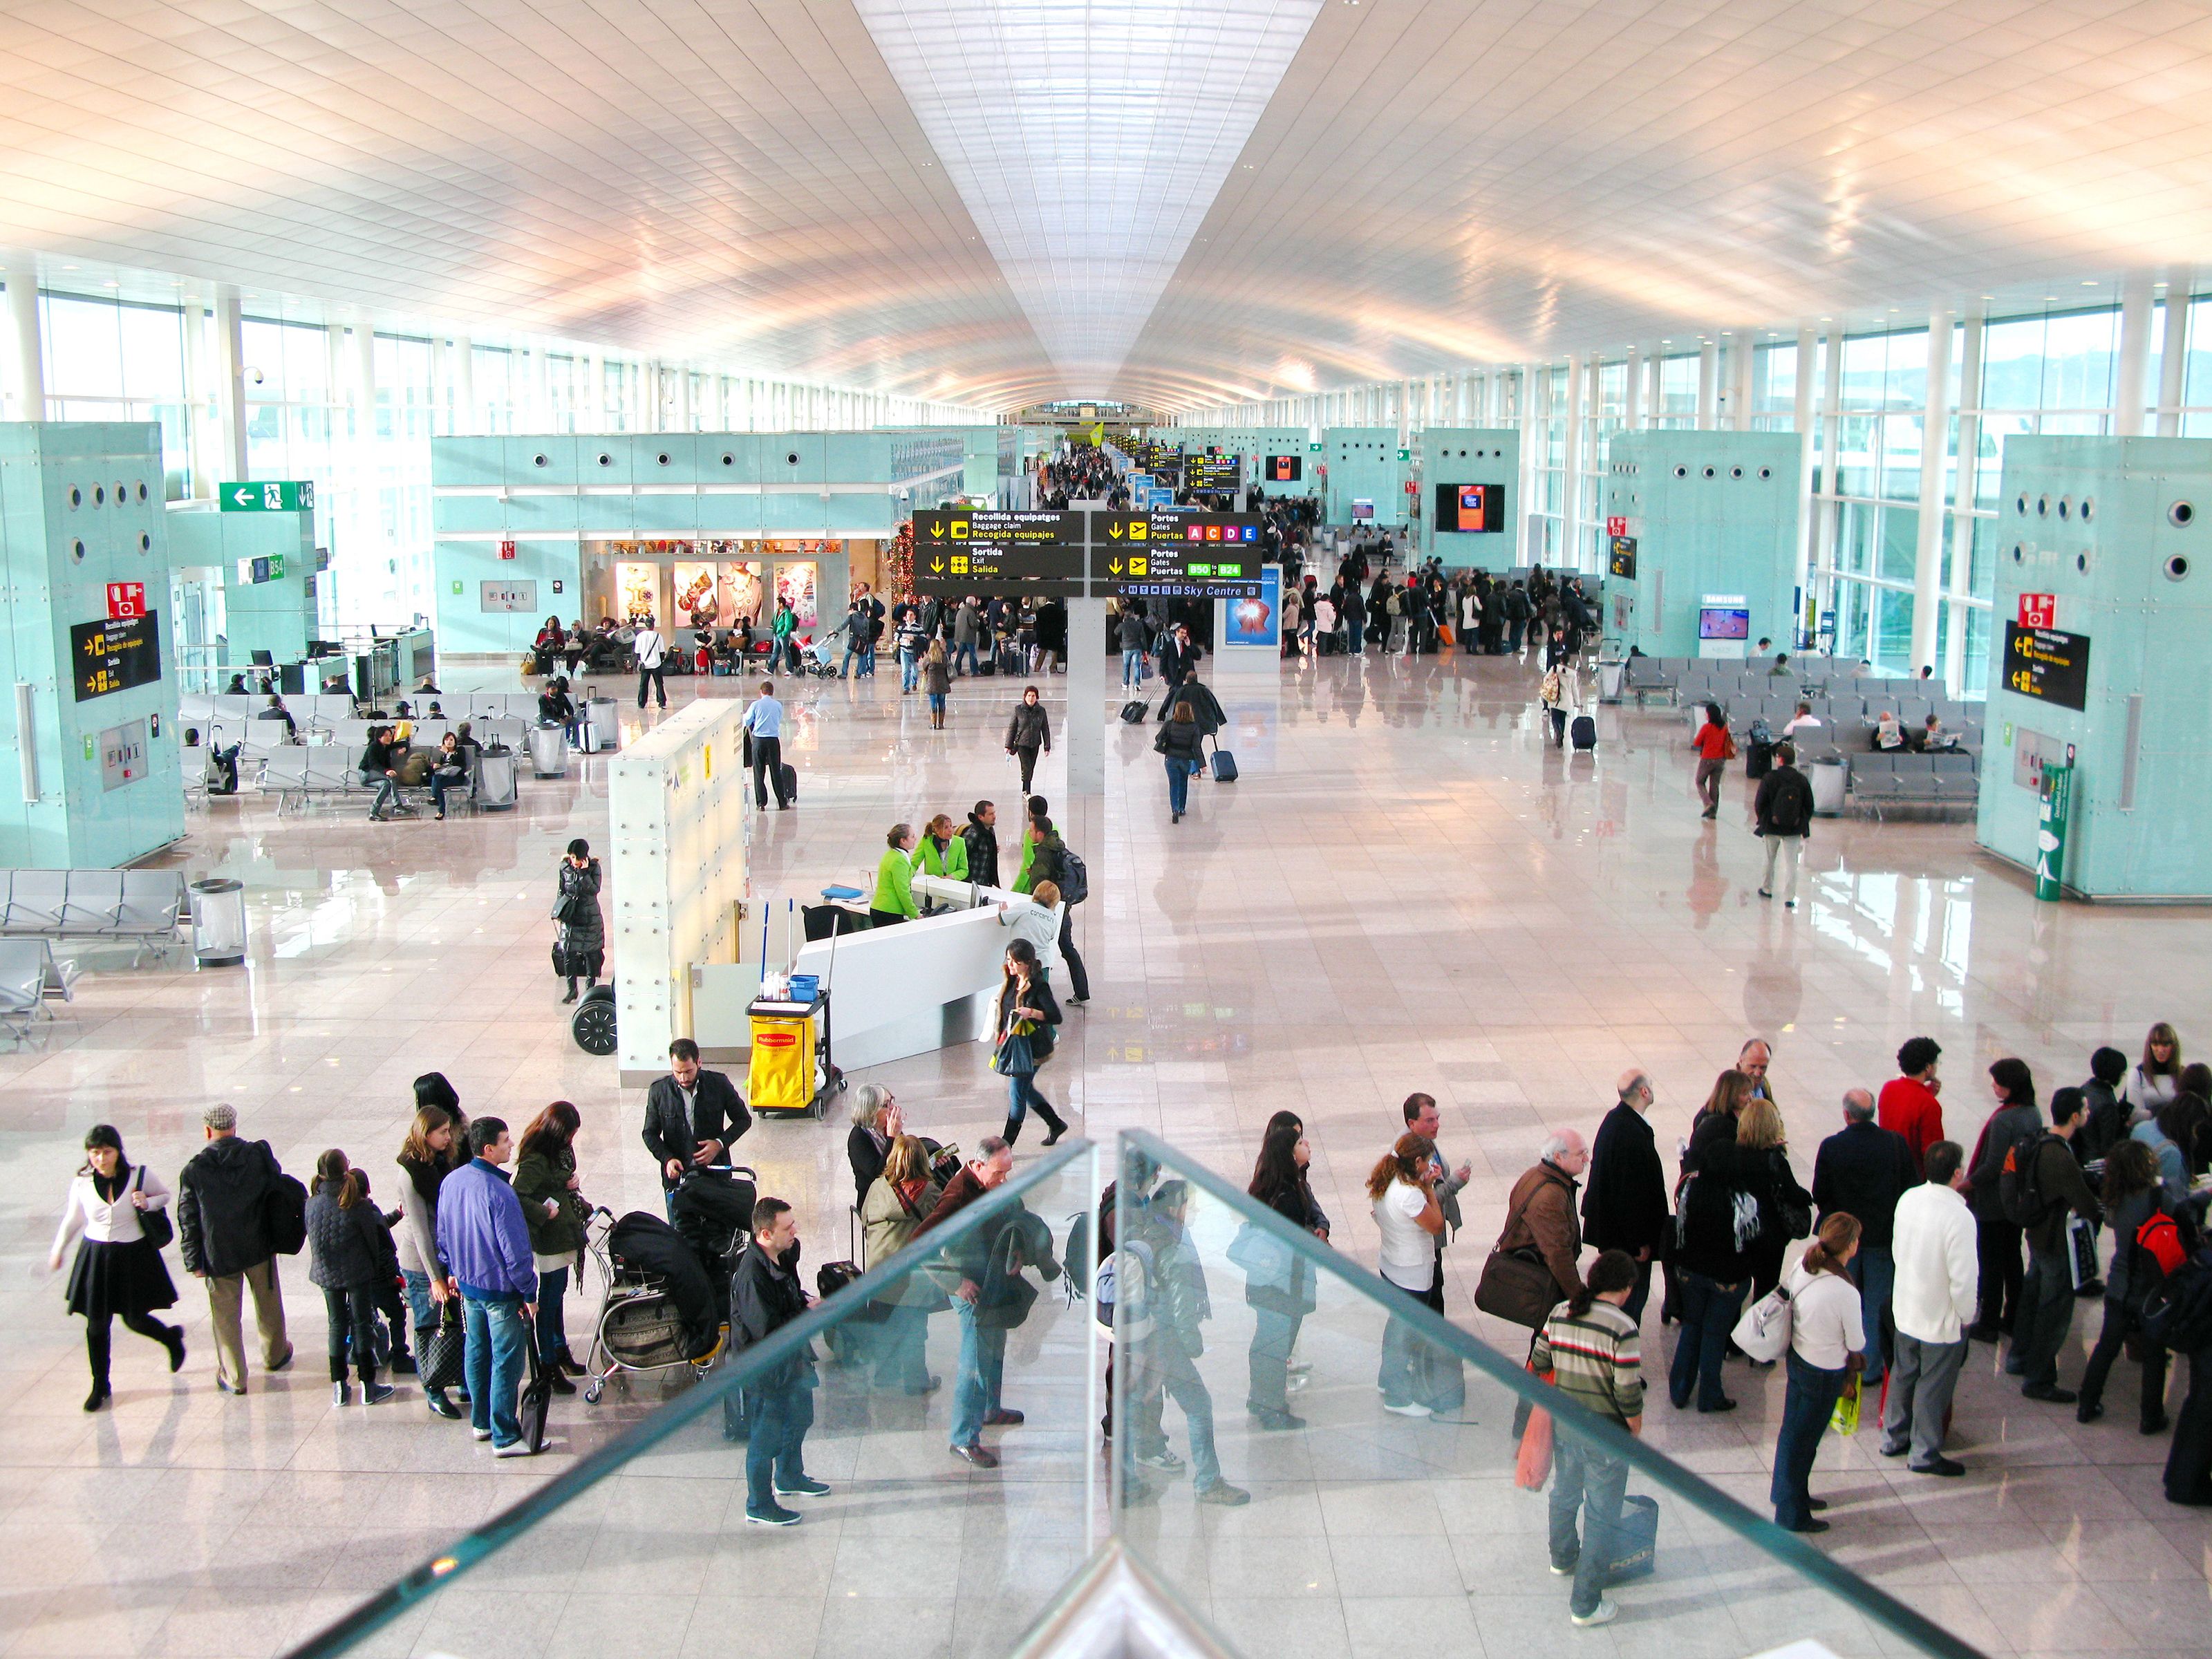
{"x":1087,"y":141}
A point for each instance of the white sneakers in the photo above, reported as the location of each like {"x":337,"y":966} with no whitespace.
{"x":1603,"y":1614}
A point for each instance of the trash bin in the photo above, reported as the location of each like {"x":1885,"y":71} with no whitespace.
{"x":1829,"y":778}
{"x":1610,"y":676}
{"x":494,"y":781}
{"x":219,"y":923}
{"x":549,"y":751}
{"x":602,"y":724}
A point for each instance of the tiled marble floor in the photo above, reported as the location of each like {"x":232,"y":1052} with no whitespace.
{"x":1407,"y":890}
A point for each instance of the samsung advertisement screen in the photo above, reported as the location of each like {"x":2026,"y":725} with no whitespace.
{"x":1726,"y":624}
{"x":1361,"y":509}
{"x":1470,"y":508}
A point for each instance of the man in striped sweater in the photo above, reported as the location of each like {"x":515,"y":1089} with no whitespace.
{"x":1589,"y":1348}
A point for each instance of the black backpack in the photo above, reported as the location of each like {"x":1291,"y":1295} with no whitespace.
{"x":2178,"y":1312}
{"x":1787,"y":809}
{"x":1074,"y":880}
{"x":2020,"y":1192}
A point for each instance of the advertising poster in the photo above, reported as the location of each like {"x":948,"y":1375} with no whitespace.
{"x":795,"y":583}
{"x":1257,"y":620}
{"x":741,"y":593}
{"x":637,"y":588}
{"x":694,"y":587}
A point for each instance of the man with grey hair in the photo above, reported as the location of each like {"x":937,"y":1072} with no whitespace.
{"x":223,"y":1229}
{"x":1624,"y":1206}
{"x":1863,"y":1170}
{"x":1539,"y":1214}
{"x":1752,"y":1059}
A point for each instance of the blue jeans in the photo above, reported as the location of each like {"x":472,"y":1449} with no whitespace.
{"x":844,"y":669}
{"x":387,"y":794}
{"x":1710,"y":1311}
{"x":1184,"y":1386}
{"x":937,"y":702}
{"x":964,"y":654}
{"x":1021,"y":1095}
{"x":867,"y":662}
{"x":1586,"y":1479}
{"x":909,"y":670}
{"x":420,"y":1301}
{"x":552,"y":1325}
{"x":1874,"y":1272}
{"x":1132,"y":668}
{"x":1179,"y":771}
{"x":1267,"y":1361}
{"x":1351,"y":631}
{"x":1806,"y":1409}
{"x":982,"y":1369}
{"x":902,"y":1349}
{"x":775,"y":1446}
{"x":492,"y":1362}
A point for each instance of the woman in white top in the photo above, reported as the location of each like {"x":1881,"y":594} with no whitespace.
{"x":119,"y":1273}
{"x":1402,"y":1188}
{"x":1828,"y":1343}
{"x":1037,"y":922}
{"x":2157,"y":1079}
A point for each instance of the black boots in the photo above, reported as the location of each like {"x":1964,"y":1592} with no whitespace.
{"x":571,"y":997}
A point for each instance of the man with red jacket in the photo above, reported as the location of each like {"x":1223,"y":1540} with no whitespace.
{"x":1908,"y":1104}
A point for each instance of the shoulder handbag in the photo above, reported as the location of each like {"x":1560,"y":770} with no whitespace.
{"x":439,"y":1352}
{"x":154,"y":1224}
{"x":1763,"y":1331}
{"x":1728,"y":744}
{"x":1793,"y":1206}
{"x":537,"y":1396}
{"x":1013,"y":1057}
{"x":1517,"y":1285}
{"x":1265,"y":1259}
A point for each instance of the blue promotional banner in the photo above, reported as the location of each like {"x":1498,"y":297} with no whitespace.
{"x":1258,"y":620}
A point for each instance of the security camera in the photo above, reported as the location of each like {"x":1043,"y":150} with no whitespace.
{"x":254,"y":375}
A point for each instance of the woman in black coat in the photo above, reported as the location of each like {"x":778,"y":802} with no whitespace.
{"x":579,"y":949}
{"x":1279,"y":1300}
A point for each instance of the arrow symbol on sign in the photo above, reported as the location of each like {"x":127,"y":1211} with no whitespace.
{"x":1115,"y":531}
{"x":1115,"y":568}
{"x":937,"y":565}
{"x":241,"y":496}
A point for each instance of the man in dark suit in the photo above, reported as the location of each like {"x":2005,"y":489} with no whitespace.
{"x":691,"y":1116}
{"x":1863,"y":1170}
{"x":1625,"y":1205}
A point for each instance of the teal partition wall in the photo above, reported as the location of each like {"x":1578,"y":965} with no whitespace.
{"x":1451,"y":457}
{"x":513,"y":515}
{"x":1714,"y":518}
{"x":1363,"y":466}
{"x":91,"y":778}
{"x":2097,"y":644}
{"x":268,"y":566}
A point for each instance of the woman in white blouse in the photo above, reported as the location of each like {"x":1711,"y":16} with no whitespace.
{"x":119,"y":1272}
{"x":2156,"y":1078}
{"x":1827,"y":1343}
{"x":1402,"y":1189}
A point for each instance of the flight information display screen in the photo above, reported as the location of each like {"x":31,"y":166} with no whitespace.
{"x":1196,"y":552}
{"x":976,"y":551}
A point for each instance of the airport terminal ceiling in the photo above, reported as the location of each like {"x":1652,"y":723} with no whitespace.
{"x":997,"y":202}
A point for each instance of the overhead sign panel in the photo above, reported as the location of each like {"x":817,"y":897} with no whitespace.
{"x":115,"y":654}
{"x":1176,"y":551}
{"x":2048,"y":665}
{"x":978,"y":551}
{"x":270,"y":495}
{"x":1212,"y":471}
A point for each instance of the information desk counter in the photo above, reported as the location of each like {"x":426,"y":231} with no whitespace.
{"x":902,"y":990}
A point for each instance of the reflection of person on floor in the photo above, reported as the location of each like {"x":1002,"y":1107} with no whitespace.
{"x":1589,"y":1348}
{"x":1168,"y":1358}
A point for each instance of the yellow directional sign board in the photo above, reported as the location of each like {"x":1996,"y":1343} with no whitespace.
{"x":1171,"y":551}
{"x":959,"y":550}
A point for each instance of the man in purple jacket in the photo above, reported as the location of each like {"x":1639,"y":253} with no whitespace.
{"x":486,"y":1246}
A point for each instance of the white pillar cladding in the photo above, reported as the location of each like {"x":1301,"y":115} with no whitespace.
{"x":2131,"y":372}
{"x":1708,"y":384}
{"x":463,"y":355}
{"x":1085,"y":730}
{"x":26,"y":391}
{"x":1654,"y":391}
{"x":1805,"y":419}
{"x":1928,"y":549}
{"x":2173,"y":362}
{"x":1570,"y":476}
{"x":229,"y":385}
{"x":1631,"y":394}
{"x":541,"y":392}
{"x":1831,"y":404}
{"x":1743,"y":363}
{"x":1968,"y":487}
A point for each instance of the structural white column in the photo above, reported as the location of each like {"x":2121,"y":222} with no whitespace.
{"x":1632,"y":403}
{"x":1968,"y":486}
{"x":1806,"y":423}
{"x":2131,"y":374}
{"x":1655,"y":391}
{"x":1084,"y":733}
{"x":540,"y":418}
{"x":1928,"y":550}
{"x":27,"y":357}
{"x":1824,"y":512}
{"x":1571,"y":479}
{"x":1708,"y":384}
{"x":2173,"y":363}
{"x":229,"y":387}
{"x":1744,"y":361}
{"x":463,"y":365}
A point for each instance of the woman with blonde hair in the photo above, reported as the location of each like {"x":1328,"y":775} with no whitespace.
{"x":1828,"y":1343}
{"x":937,"y":681}
{"x":1785,"y":1208}
{"x":1401,"y":1187}
{"x":1717,"y":1119}
{"x":892,"y":1210}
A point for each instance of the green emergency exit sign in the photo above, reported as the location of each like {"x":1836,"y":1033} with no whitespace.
{"x":270,"y":495}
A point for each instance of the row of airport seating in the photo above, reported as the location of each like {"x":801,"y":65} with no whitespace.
{"x":326,"y":710}
{"x":146,"y":907}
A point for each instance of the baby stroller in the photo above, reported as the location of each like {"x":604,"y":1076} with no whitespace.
{"x":660,"y":1311}
{"x":820,"y":657}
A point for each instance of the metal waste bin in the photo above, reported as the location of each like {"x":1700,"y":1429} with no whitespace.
{"x":1610,"y":676}
{"x":549,"y":751}
{"x":219,"y":923}
{"x":496,"y":791}
{"x":1829,"y":778}
{"x":602,"y":724}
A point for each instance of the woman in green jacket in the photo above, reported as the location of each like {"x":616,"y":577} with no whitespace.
{"x":554,"y":1211}
{"x":941,"y":851}
{"x":894,"y":900}
{"x":898,"y":1202}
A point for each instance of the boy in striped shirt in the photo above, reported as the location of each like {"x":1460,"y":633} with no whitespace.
{"x":1589,"y":1347}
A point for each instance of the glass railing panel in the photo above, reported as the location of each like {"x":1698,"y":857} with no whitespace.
{"x":1365,"y":1527}
{"x":642,"y":1545}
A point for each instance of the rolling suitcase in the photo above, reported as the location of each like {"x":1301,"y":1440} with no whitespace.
{"x":1583,"y":732}
{"x":1133,"y":713}
{"x":1225,"y":765}
{"x":787,"y":780}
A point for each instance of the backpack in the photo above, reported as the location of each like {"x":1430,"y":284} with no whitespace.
{"x":2178,"y":1312}
{"x":1075,"y":1259}
{"x":2159,"y":1239}
{"x":1127,"y":1273}
{"x":1074,"y":878}
{"x":284,"y":1214}
{"x":1786,"y":811}
{"x":2020,"y":1193}
{"x":1761,"y":732}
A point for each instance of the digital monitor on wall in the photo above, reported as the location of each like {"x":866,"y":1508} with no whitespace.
{"x":1285,"y":469}
{"x":1362,"y":509}
{"x":1470,"y":509}
{"x":1723,"y":623}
